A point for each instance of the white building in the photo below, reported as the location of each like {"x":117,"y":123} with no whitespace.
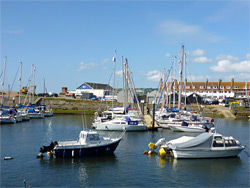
{"x":99,"y":90}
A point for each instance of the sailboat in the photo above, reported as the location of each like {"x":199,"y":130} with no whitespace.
{"x":128,"y":122}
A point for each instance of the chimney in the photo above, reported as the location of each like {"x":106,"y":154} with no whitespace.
{"x":232,"y":84}
{"x":206,"y":84}
{"x":219,"y":84}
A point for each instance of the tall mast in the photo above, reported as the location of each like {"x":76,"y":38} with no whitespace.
{"x":123,"y":76}
{"x":34,"y":85}
{"x":114,"y":60}
{"x":126,"y":83}
{"x":5,"y":60}
{"x":174,"y":81}
{"x":20,"y":83}
{"x":30,"y":83}
{"x":180,"y":82}
{"x":185,"y":81}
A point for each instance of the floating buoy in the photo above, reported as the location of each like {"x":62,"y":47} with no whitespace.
{"x":162,"y":152}
{"x":151,"y":145}
{"x":48,"y":153}
{"x":8,"y":158}
{"x":149,"y":128}
{"x":150,"y":152}
{"x":145,"y":152}
{"x":40,"y":155}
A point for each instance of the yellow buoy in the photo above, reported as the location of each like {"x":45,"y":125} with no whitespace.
{"x":40,"y":155}
{"x":162,"y":152}
{"x":151,"y":145}
{"x":48,"y":153}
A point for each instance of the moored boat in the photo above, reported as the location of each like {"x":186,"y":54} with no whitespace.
{"x":205,"y":145}
{"x":89,"y":143}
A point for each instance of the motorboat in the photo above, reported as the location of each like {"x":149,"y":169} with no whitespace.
{"x":6,"y":117}
{"x":23,"y":112}
{"x":205,"y":145}
{"x":35,"y":113}
{"x":89,"y":143}
{"x":47,"y":112}
{"x":185,"y":127}
{"x":119,"y":124}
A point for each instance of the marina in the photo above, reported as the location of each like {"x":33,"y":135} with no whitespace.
{"x":127,"y":162}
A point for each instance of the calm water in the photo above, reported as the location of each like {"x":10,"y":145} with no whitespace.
{"x":126,"y":168}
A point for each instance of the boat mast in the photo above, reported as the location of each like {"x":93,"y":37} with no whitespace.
{"x":20,"y":83}
{"x":5,"y":60}
{"x":126,"y":83}
{"x":185,"y":81}
{"x":180,"y":82}
{"x":34,"y":85}
{"x":114,"y":60}
{"x":174,"y":81}
{"x":123,"y":81}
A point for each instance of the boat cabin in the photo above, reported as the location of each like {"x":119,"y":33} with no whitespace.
{"x":219,"y":141}
{"x":86,"y":137}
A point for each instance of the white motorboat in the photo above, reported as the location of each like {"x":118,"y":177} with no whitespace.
{"x":89,"y":143}
{"x":205,"y":145}
{"x":119,"y":124}
{"x":35,"y":114}
{"x":185,"y":127}
{"x":7,"y":117}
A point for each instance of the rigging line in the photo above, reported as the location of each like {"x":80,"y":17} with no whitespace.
{"x":164,"y":85}
{"x":102,"y":97}
{"x":131,"y":82}
{"x":192,"y":87}
{"x":12,"y":86}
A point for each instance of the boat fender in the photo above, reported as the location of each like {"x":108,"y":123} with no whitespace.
{"x":40,"y":155}
{"x":162,"y":152}
{"x":211,"y":120}
{"x":8,"y":158}
{"x":48,"y":153}
{"x":145,"y":152}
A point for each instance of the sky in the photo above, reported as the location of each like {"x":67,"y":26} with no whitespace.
{"x":72,"y":42}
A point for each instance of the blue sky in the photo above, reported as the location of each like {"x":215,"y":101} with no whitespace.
{"x":74,"y":42}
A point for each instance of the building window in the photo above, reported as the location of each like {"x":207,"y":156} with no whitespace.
{"x":188,"y":87}
{"x":236,"y":87}
{"x":201,"y":87}
{"x":228,"y":87}
{"x":193,"y":87}
{"x":208,"y":87}
{"x":215,"y":87}
{"x":245,"y":87}
{"x":214,"y":91}
{"x":221,"y":87}
{"x":229,"y":91}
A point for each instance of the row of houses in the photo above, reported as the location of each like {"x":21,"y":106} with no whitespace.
{"x":213,"y":90}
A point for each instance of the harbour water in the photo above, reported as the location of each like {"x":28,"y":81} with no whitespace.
{"x":127,"y":167}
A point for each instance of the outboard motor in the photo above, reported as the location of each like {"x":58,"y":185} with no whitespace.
{"x":45,"y":149}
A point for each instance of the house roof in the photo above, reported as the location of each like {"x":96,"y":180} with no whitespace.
{"x":98,"y":86}
{"x":226,"y":86}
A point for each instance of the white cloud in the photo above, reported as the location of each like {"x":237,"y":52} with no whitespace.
{"x":202,"y":60}
{"x":248,"y":56}
{"x":227,"y":57}
{"x":154,"y":75}
{"x":119,"y":73}
{"x":175,"y":30}
{"x":167,"y":54}
{"x":242,"y":76}
{"x":193,"y":78}
{"x":15,"y":32}
{"x":84,"y":66}
{"x":198,"y":52}
{"x":228,"y":66}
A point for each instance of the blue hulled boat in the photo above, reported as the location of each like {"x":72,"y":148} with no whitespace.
{"x":89,"y":143}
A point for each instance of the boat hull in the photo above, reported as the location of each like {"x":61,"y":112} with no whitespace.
{"x":36,"y":115}
{"x":180,"y":128}
{"x":110,"y":127}
{"x":7,"y":121}
{"x":82,"y":151}
{"x":192,"y":154}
